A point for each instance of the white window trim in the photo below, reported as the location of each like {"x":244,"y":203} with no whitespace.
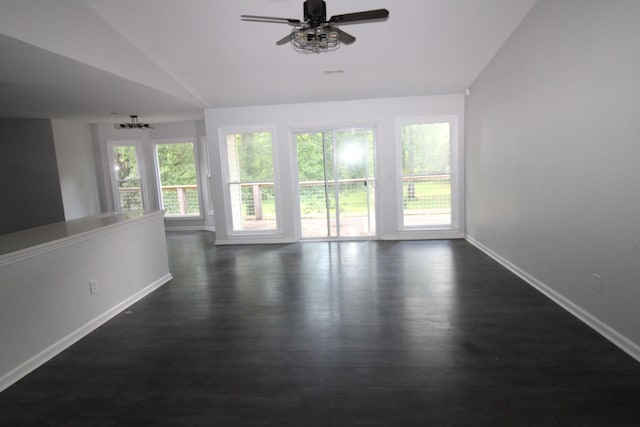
{"x":456,"y":173}
{"x":196,"y":159}
{"x":206,"y":174}
{"x":226,"y":181}
{"x":113,"y":178}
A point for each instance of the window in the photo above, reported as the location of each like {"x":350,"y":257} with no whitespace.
{"x":251,"y":181}
{"x":177,"y":178}
{"x":125,"y":176}
{"x":426,"y":175}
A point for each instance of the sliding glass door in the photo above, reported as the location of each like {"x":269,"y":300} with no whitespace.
{"x":336,"y":178}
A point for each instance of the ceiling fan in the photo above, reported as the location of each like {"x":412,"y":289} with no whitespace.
{"x":315,"y":33}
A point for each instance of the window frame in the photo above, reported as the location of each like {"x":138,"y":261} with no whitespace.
{"x":113,"y":177}
{"x":223,"y":133}
{"x":455,"y":172}
{"x":196,"y":160}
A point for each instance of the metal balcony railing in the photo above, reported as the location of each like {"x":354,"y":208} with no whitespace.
{"x":178,"y":200}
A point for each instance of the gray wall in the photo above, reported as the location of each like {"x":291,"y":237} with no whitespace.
{"x":552,"y":152}
{"x":29,"y":183}
{"x":76,"y":167}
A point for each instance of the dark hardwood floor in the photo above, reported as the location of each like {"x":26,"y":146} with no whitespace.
{"x":430,"y":333}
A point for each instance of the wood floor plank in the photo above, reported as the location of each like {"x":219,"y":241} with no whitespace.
{"x":334,"y":334}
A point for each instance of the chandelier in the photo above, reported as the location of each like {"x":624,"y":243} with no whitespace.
{"x":134,"y":124}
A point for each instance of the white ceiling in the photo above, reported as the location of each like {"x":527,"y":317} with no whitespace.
{"x":167,"y":60}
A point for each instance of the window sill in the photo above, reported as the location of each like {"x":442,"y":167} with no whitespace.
{"x":183,"y":217}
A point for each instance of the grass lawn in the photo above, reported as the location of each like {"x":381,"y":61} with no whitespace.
{"x":428,"y":195}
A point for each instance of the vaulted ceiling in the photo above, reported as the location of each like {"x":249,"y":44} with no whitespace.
{"x":167,"y":60}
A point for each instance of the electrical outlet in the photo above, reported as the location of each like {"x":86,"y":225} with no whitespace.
{"x":597,"y":283}
{"x":93,"y":286}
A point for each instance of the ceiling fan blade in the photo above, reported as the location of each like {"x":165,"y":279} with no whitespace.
{"x":353,"y":18}
{"x":286,"y":39}
{"x":345,"y":38}
{"x":275,"y":20}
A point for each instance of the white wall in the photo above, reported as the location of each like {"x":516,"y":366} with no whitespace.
{"x":38,"y":22}
{"x":378,"y":113}
{"x":76,"y":167}
{"x":45,"y":301}
{"x":205,"y":176}
{"x":552,"y":150}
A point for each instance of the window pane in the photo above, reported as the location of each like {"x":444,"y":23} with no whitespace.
{"x":355,"y":172}
{"x":426,"y":174}
{"x":128,"y":178}
{"x":178,"y":181}
{"x":316,"y":192}
{"x":251,"y":181}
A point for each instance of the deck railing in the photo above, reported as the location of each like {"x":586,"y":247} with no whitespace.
{"x":176,"y":199}
{"x":419,"y":193}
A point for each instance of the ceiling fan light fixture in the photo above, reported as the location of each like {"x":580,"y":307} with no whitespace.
{"x":323,"y":38}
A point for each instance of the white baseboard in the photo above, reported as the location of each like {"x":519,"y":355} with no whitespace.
{"x":50,"y":352}
{"x":621,"y":341}
{"x":185,"y":228}
{"x":434,"y":235}
{"x":190,"y":228}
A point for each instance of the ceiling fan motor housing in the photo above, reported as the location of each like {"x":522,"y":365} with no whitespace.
{"x":315,"y":12}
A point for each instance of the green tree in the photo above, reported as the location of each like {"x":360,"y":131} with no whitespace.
{"x":177,"y":164}
{"x":355,"y":153}
{"x":255,"y":156}
{"x":127,"y":166}
{"x":425,"y":149}
{"x":310,"y":157}
{"x":351,"y":148}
